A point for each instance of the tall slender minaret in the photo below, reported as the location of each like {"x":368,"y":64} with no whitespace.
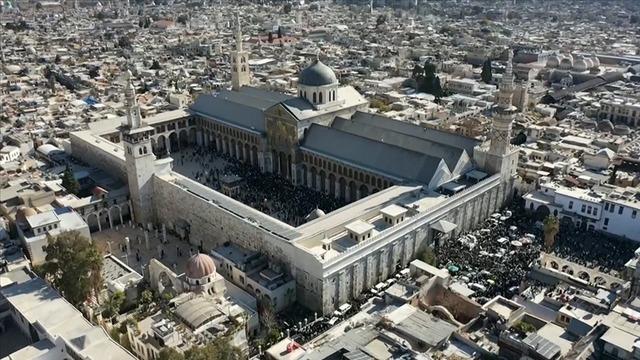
{"x":240,"y":75}
{"x":505,"y":111}
{"x":139,"y":158}
{"x":502,"y":157}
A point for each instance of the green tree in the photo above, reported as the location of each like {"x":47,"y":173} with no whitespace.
{"x":182,"y":19}
{"x":428,"y":256}
{"x":69,"y":181}
{"x":486,"y":74}
{"x":219,"y":349}
{"x":113,"y":305}
{"x":72,"y":265}
{"x":145,"y":299}
{"x":168,"y":353}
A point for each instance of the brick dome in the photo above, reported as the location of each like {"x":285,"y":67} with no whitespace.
{"x":199,"y":266}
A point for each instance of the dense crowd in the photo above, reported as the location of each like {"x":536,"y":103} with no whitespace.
{"x":494,"y":259}
{"x":593,"y":249}
{"x":268,"y":193}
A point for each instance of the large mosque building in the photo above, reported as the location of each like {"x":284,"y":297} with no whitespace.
{"x":406,"y":186}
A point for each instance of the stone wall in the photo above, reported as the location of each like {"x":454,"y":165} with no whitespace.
{"x":99,"y":152}
{"x":362,"y":267}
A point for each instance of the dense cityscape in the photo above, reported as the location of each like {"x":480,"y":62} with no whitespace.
{"x":348,"y":179}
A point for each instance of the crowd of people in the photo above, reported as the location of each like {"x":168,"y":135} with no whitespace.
{"x":593,"y":249}
{"x":266,"y":192}
{"x":494,"y":259}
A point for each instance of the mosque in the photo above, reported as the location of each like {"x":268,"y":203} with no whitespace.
{"x":407,"y":187}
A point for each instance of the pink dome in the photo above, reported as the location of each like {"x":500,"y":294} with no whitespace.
{"x":199,"y":266}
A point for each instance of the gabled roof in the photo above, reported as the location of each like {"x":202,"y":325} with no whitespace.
{"x":234,"y":113}
{"x":450,"y":154}
{"x":403,"y":127}
{"x":369,"y":154}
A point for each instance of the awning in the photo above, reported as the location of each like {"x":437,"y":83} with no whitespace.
{"x":444,"y":226}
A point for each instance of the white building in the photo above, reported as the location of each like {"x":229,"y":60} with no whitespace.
{"x":34,"y":227}
{"x":41,"y":324}
{"x":620,"y":110}
{"x":610,"y":209}
{"x":9,"y":153}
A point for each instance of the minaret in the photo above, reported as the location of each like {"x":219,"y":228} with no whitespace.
{"x":134,"y":119}
{"x":240,"y":75}
{"x":503,"y":118}
{"x":502,"y":158}
{"x":139,"y":158}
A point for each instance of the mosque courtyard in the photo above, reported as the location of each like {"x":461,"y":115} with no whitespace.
{"x":268,"y":193}
{"x":172,"y":252}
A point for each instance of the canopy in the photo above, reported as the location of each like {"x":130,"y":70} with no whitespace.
{"x":444,"y":226}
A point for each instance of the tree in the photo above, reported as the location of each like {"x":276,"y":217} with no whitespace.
{"x":417,"y":72}
{"x":155,"y":65}
{"x":182,"y":19}
{"x":168,"y":353}
{"x":145,"y":300}
{"x":219,"y":349}
{"x":72,"y":265}
{"x":486,"y":74}
{"x":429,"y":69}
{"x":382,"y":18}
{"x":113,"y":305}
{"x":270,"y":38}
{"x":69,"y":181}
{"x":287,"y":8}
{"x":279,"y":32}
{"x":551,"y":229}
{"x":428,"y":256}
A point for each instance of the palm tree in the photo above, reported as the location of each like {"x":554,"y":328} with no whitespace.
{"x":551,"y":229}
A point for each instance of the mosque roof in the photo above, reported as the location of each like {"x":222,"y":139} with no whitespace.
{"x":370,"y":154}
{"x":450,"y":154}
{"x":403,"y":127}
{"x":229,"y":111}
{"x":317,"y":74}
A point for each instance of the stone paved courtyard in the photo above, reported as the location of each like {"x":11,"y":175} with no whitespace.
{"x":113,"y":241}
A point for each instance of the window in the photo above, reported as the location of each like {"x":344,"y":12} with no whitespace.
{"x":584,"y":208}
{"x":570,"y":205}
{"x":620,"y":210}
{"x":314,"y":97}
{"x":606,"y":206}
{"x":606,"y":221}
{"x":612,"y":208}
{"x":320,"y":97}
{"x":634,"y":213}
{"x":595,"y":211}
{"x":589,"y":210}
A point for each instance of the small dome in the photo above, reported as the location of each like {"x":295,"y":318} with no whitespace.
{"x":317,"y":74}
{"x":580,"y":65}
{"x":589,"y":62}
{"x":566,"y":63}
{"x":23,"y":213}
{"x":605,"y":125}
{"x":199,"y":266}
{"x":553,"y":61}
